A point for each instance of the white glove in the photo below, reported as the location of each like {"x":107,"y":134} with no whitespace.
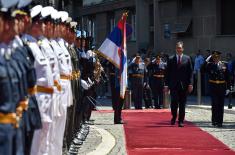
{"x":90,"y":82}
{"x":227,"y":92}
{"x":84,"y":85}
{"x":208,"y":59}
{"x":89,"y":54}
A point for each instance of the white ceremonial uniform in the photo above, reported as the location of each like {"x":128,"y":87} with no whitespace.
{"x":41,"y":139}
{"x":51,"y":56}
{"x":61,"y":42}
{"x":57,"y":96}
{"x":66,"y":86}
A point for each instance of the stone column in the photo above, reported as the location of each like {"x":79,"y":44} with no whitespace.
{"x":101,"y":28}
{"x":157,"y":25}
{"x":142,"y":24}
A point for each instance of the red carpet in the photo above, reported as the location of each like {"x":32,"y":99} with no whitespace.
{"x":150,"y":133}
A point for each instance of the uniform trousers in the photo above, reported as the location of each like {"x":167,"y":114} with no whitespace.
{"x":42,"y":138}
{"x":137,"y":92}
{"x":217,"y":92}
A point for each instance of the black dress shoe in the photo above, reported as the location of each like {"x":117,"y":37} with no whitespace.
{"x":119,"y":122}
{"x":219,"y":125}
{"x":214,"y":123}
{"x":172,"y":121}
{"x":181,"y":125}
{"x":77,"y":141}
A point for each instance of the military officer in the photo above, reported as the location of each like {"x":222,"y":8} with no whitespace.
{"x":79,"y":109}
{"x":218,"y":78}
{"x":62,"y":43}
{"x":59,"y":115}
{"x":70,"y":124}
{"x":80,"y":129}
{"x":112,"y":69}
{"x":31,"y":113}
{"x":156,"y":71}
{"x":18,"y":63}
{"x":22,"y":55}
{"x":9,"y":80}
{"x":45,"y":84}
{"x":147,"y":90}
{"x":136,"y":75}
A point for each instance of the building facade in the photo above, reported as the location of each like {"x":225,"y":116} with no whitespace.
{"x":66,"y":5}
{"x":159,"y":24}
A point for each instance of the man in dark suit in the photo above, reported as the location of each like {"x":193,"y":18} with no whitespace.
{"x":179,"y":79}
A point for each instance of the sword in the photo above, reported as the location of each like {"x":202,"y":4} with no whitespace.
{"x":96,"y":101}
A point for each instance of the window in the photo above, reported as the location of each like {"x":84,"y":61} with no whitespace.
{"x":227,"y":17}
{"x":184,"y":7}
{"x":111,"y":22}
{"x":133,"y":25}
{"x":182,"y":29}
{"x":91,"y":28}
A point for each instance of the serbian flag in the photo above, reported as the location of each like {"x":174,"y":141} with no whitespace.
{"x":114,"y":50}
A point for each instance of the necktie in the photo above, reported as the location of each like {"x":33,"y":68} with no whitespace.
{"x":179,"y":60}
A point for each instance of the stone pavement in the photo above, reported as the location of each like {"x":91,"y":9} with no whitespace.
{"x":104,"y":121}
{"x":202,"y":118}
{"x":200,"y":115}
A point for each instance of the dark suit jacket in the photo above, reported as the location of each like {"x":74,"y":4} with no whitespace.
{"x":179,"y":76}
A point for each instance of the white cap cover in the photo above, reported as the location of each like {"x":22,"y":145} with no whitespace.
{"x":35,"y":11}
{"x":63,"y":15}
{"x":69,"y":19}
{"x":55,"y":14}
{"x":47,"y":11}
{"x":73,"y":24}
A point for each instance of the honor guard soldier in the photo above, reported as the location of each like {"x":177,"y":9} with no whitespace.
{"x":45,"y":84}
{"x":64,"y":78}
{"x":79,"y":109}
{"x":18,"y":61}
{"x":156,"y":71}
{"x":136,"y":75}
{"x":72,"y":112}
{"x":147,"y":90}
{"x":28,"y":107}
{"x":10,"y":75}
{"x":31,"y":112}
{"x":81,"y":130}
{"x":112,"y":80}
{"x":117,"y":102}
{"x":57,"y":130}
{"x":218,"y":79}
{"x":62,"y":43}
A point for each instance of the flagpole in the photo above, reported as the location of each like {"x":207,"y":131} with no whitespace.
{"x":123,"y":80}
